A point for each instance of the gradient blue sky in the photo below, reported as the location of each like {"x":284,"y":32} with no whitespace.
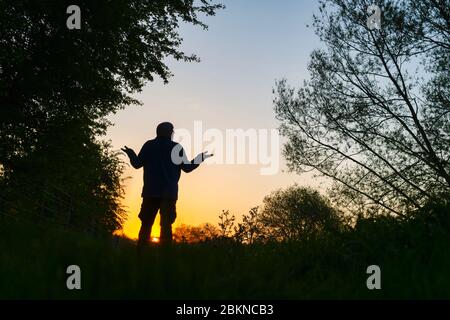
{"x":248,"y":46}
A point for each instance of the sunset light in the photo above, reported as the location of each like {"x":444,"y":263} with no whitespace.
{"x":155,"y":239}
{"x":212,"y":151}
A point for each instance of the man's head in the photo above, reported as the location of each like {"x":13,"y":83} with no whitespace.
{"x":164,"y":130}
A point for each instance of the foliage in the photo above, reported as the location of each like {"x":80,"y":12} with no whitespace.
{"x":291,"y":214}
{"x":192,"y":234}
{"x":296,"y":213}
{"x":413,"y":257}
{"x":51,"y":74}
{"x":226,"y":223}
{"x":58,"y":85}
{"x":72,"y":179}
{"x":374,"y":115}
{"x":251,"y":230}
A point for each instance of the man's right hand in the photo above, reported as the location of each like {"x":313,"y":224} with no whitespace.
{"x":202,"y":157}
{"x":127,"y":150}
{"x":206,"y":155}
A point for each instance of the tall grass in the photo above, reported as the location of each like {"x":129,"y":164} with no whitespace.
{"x":413,"y":255}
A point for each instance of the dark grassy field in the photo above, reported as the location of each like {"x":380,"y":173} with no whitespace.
{"x":414,"y":259}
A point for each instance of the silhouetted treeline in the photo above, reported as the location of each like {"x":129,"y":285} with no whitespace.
{"x":300,"y":214}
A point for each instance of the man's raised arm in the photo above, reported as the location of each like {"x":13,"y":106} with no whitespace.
{"x":135,"y":160}
{"x":188,"y":166}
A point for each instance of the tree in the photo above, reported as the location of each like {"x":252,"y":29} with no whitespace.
{"x":226,"y":223}
{"x":50,"y":74}
{"x":57,"y":85}
{"x":296,"y":213}
{"x":191,"y":234}
{"x":374,"y":115}
{"x":251,"y":229}
{"x":71,"y":179}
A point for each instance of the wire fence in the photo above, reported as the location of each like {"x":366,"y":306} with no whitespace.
{"x":44,"y":205}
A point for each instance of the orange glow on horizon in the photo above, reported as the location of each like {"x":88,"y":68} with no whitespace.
{"x":208,"y":190}
{"x":211,"y":93}
{"x":237,"y":189}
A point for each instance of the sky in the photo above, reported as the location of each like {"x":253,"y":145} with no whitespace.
{"x":248,"y":46}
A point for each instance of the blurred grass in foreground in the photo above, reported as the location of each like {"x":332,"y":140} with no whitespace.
{"x":414,"y":258}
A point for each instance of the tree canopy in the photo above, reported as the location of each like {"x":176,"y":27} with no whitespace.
{"x":57,"y":85}
{"x":53,"y":74}
{"x":374,"y":116}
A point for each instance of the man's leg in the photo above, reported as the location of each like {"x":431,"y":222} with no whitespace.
{"x":168,"y":215}
{"x":149,"y":209}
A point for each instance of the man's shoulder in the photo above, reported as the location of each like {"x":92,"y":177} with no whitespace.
{"x":147,"y":146}
{"x":150,"y":142}
{"x":155,"y":142}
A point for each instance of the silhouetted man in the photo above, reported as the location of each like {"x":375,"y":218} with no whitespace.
{"x":163,"y":161}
